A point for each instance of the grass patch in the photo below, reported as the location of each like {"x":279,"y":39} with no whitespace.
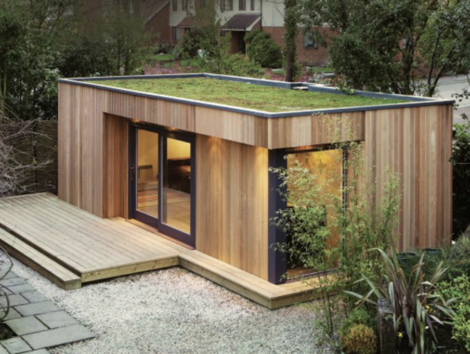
{"x":190,"y":62}
{"x":240,"y":94}
{"x":319,"y":69}
{"x":278,"y":71}
{"x":163,"y":57}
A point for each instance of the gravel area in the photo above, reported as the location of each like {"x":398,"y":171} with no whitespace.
{"x":175,"y":311}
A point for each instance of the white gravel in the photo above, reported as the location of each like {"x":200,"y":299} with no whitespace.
{"x":174,"y":311}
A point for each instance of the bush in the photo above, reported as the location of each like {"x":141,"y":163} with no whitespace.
{"x":418,"y":305}
{"x":459,"y":288}
{"x":194,"y":40}
{"x":263,"y":50}
{"x":461,"y":177}
{"x":358,"y":316}
{"x":360,"y":340}
{"x":459,"y":257}
{"x":231,"y":64}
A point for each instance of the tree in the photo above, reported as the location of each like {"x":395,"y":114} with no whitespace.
{"x":401,"y":46}
{"x":290,"y":39}
{"x":115,"y":43}
{"x":42,"y":40}
{"x":30,"y":36}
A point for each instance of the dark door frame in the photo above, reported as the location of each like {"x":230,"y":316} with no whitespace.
{"x":163,"y":135}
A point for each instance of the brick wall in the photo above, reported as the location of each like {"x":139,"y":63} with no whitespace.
{"x":160,"y":24}
{"x":311,"y":56}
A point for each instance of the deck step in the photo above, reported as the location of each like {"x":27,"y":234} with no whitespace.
{"x":39,"y":262}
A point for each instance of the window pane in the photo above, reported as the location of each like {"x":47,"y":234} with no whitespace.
{"x":177,"y":186}
{"x":147,"y":172}
{"x":327,"y":167}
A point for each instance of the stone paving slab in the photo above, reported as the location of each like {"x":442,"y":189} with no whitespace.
{"x":36,"y":308}
{"x":12,"y":281}
{"x":36,"y":320}
{"x":14,"y":300}
{"x":11,"y":314}
{"x":34,"y":296}
{"x":58,"y":336}
{"x":57,"y":319}
{"x":26,"y":325}
{"x":9,"y":275}
{"x":21,"y":288}
{"x":16,"y":345}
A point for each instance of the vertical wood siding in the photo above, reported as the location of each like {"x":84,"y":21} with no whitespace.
{"x":232,"y":203}
{"x":232,"y":176}
{"x":415,"y":143}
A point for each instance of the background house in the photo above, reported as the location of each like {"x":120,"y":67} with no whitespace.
{"x":242,"y":16}
{"x":169,"y":19}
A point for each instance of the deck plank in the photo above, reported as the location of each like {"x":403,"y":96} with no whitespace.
{"x":55,"y":238}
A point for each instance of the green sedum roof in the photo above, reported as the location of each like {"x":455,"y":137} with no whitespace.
{"x":245,"y":95}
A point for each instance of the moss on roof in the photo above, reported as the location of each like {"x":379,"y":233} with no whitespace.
{"x":245,"y":95}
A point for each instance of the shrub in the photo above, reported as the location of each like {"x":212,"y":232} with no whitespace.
{"x":263,"y":50}
{"x":358,"y":228}
{"x":461,"y":176}
{"x":418,"y":306}
{"x":360,"y":340}
{"x":230,"y":64}
{"x":459,"y":257}
{"x":459,"y":288}
{"x":358,"y":316}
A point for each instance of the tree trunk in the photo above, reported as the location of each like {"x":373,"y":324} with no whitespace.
{"x":290,"y":38}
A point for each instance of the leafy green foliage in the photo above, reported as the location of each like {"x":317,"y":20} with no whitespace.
{"x":461,"y":177}
{"x":360,"y":339}
{"x":263,"y":50}
{"x":231,"y":64}
{"x":30,"y":34}
{"x":43,"y":39}
{"x":459,"y":288}
{"x":291,"y":17}
{"x":356,"y":317}
{"x":359,"y":226}
{"x":417,"y":304}
{"x":115,"y":44}
{"x":204,"y":35}
{"x":403,"y":46}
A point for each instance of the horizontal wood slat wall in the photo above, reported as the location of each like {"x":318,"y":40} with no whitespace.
{"x":416,"y":143}
{"x":232,"y":203}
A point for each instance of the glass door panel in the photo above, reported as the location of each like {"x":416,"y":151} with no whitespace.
{"x":327,"y":168}
{"x":176,"y":201}
{"x":147,"y":173}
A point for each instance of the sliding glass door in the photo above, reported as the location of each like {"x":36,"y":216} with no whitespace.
{"x":147,"y":173}
{"x":162,"y":181}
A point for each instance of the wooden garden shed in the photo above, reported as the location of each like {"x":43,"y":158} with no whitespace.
{"x":180,"y":156}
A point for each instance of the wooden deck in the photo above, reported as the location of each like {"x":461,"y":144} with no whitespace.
{"x":70,"y":246}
